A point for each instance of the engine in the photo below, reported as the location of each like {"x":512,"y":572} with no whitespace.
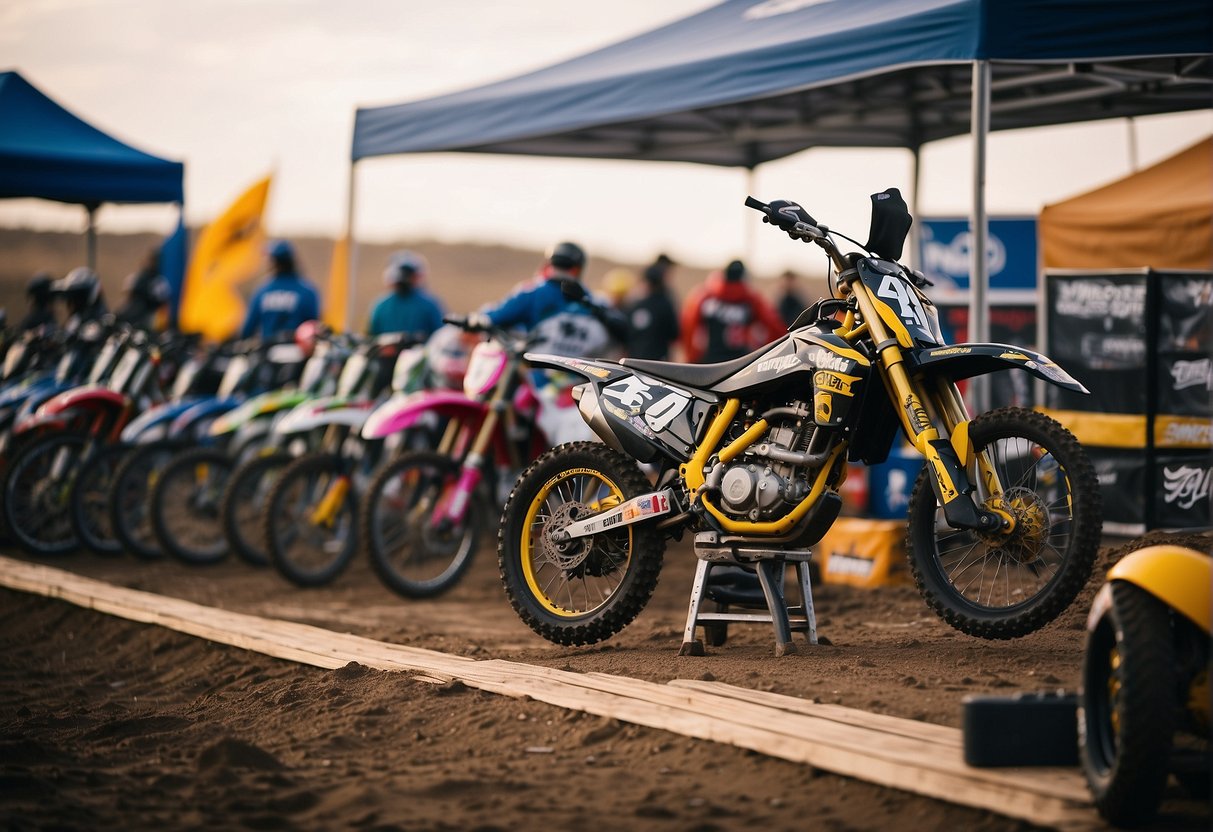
{"x":774,"y":474}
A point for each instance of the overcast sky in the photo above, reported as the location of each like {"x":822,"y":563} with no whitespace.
{"x":239,"y":88}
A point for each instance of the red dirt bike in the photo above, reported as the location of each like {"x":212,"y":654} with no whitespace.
{"x":76,"y":427}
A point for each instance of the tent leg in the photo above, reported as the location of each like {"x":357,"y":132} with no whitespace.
{"x":351,"y":283}
{"x":916,"y":210}
{"x":748,"y":226}
{"x":979,"y":329}
{"x":91,"y":237}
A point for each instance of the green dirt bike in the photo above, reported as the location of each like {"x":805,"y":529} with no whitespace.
{"x":1004,"y":520}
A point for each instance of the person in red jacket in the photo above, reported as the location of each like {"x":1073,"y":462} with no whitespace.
{"x":725,"y":319}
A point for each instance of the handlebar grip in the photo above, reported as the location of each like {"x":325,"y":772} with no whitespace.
{"x":454,"y":320}
{"x":750,"y":202}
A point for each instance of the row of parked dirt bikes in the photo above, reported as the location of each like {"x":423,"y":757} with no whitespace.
{"x":297,"y":454}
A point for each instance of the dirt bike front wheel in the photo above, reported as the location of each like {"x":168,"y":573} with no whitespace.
{"x":1006,"y":584}
{"x":310,"y":524}
{"x":587,"y":589}
{"x":416,"y":551}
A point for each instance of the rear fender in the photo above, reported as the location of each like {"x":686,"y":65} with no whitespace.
{"x":401,"y":412}
{"x":39,"y":422}
{"x":962,"y":361}
{"x":265,"y":404}
{"x":198,"y":417}
{"x":323,"y":412}
{"x":153,"y":424}
{"x":91,"y":404}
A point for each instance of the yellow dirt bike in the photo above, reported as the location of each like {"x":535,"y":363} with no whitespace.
{"x":1144,"y":707}
{"x":1004,"y":521}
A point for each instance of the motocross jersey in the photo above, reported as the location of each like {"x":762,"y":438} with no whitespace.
{"x":416,"y":312}
{"x":723,"y":320}
{"x":279,"y":306}
{"x":561,"y":326}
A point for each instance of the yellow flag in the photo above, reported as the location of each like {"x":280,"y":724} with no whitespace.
{"x":230,"y":251}
{"x":336,"y":296}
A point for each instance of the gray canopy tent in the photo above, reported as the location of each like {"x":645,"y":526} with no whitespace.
{"x":749,"y":81}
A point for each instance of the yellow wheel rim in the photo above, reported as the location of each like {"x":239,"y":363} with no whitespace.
{"x":564,"y":589}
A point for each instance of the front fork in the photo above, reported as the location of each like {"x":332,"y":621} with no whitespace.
{"x":949,"y":455}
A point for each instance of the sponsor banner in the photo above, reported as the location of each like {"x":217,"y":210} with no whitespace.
{"x":1182,"y":500}
{"x":865,"y":553}
{"x":1097,"y":331}
{"x":1010,"y":253}
{"x":1104,"y":430}
{"x":1183,"y":432}
{"x":1185,"y":384}
{"x":1122,"y":477}
{"x":1185,"y":313}
{"x":1009,"y":324}
{"x":890,"y":482}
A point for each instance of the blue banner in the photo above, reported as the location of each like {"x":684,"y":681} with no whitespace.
{"x":1010,"y":253}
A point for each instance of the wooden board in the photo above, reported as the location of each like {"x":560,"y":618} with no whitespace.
{"x":898,"y":753}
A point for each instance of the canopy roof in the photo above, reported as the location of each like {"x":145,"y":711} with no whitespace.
{"x":747,"y":81}
{"x":49,"y":153}
{"x":1160,"y":217}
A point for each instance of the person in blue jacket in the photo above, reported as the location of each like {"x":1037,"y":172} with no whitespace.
{"x":407,"y":307}
{"x":561,"y":326}
{"x":284,"y":301}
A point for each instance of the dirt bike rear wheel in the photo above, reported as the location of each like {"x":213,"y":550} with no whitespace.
{"x":998,"y":586}
{"x":129,"y":496}
{"x":37,"y":493}
{"x":413,"y":554}
{"x":1128,"y":705}
{"x":310,"y":550}
{"x":585,"y":590}
{"x":90,"y":498}
{"x":184,"y":506}
{"x":244,"y":504}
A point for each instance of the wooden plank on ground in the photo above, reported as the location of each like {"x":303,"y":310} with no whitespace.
{"x":889,"y":751}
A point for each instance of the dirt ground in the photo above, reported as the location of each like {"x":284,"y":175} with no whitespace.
{"x":109,"y":724}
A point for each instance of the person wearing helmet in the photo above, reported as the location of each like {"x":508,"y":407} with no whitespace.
{"x":725,"y":319}
{"x":40,"y":296}
{"x":80,"y":291}
{"x":147,"y":292}
{"x":284,"y":301}
{"x":406,"y":307}
{"x":561,"y":326}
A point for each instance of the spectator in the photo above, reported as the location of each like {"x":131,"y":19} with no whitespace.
{"x":791,"y":303}
{"x":40,"y":296}
{"x":147,"y":293}
{"x":284,"y":301}
{"x":725,"y":319}
{"x":406,"y":307}
{"x":562,"y":326}
{"x":653,"y":317}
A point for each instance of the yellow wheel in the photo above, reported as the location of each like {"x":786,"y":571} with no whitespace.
{"x":586,"y":589}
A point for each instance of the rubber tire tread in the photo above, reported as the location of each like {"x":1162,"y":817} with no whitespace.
{"x":157,"y":507}
{"x":1077,"y":563}
{"x":1128,"y":789}
{"x":392,"y":580}
{"x":106,"y":547}
{"x":133,"y":545}
{"x":648,"y":547}
{"x":28,"y":448}
{"x":251,"y":552}
{"x":303,"y":466}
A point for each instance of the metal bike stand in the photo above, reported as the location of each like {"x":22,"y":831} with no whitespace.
{"x":771,"y":565}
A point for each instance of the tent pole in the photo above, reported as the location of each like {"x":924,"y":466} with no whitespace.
{"x":747,"y":225}
{"x":916,"y":210}
{"x":1132,"y":124}
{"x":91,"y":237}
{"x":351,"y":283}
{"x":979,"y":330}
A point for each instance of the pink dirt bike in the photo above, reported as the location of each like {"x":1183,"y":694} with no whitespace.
{"x":424,"y":512}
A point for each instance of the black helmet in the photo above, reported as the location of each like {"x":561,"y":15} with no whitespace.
{"x":566,"y":256}
{"x":39,"y":287}
{"x":81,"y":287}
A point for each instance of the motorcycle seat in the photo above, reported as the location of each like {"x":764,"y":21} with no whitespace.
{"x":696,"y":375}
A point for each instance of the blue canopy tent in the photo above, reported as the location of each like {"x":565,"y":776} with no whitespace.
{"x":748,"y":81}
{"x":47,"y":152}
